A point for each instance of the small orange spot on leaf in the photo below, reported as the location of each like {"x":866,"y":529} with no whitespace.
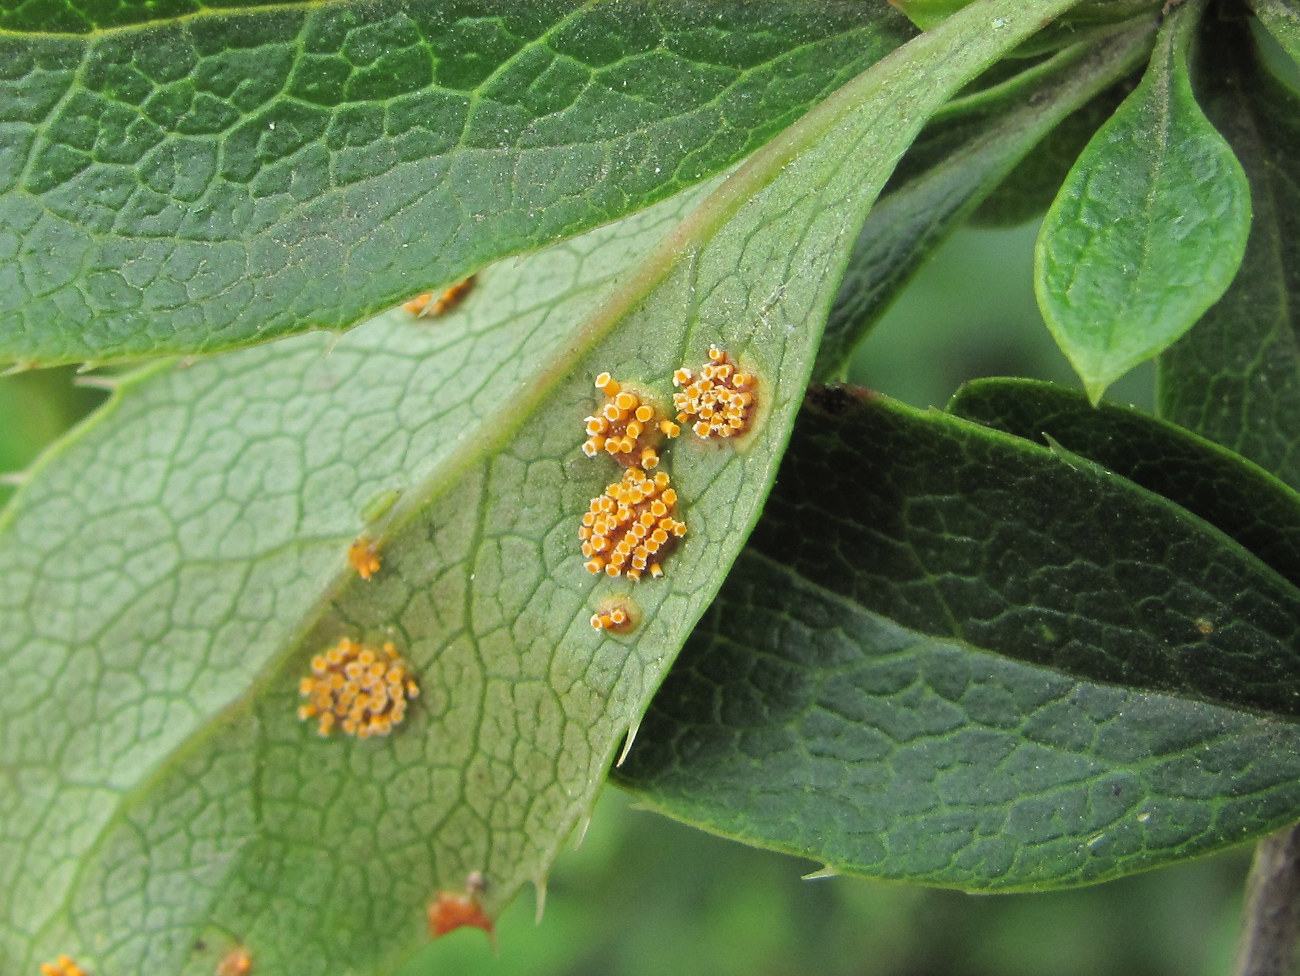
{"x":364,"y":557}
{"x":63,"y":966}
{"x":453,"y":910}
{"x":617,"y":614}
{"x":238,"y":962}
{"x":429,"y":304}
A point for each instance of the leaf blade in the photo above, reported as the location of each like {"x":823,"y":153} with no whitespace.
{"x":1234,"y":377}
{"x":1150,"y":225}
{"x":929,"y":197}
{"x":477,"y":782}
{"x":812,"y":714}
{"x":307,"y":166}
{"x":1249,"y":504}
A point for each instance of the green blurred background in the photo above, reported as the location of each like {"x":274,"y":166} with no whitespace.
{"x":644,"y":895}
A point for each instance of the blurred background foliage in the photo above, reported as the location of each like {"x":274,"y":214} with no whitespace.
{"x":645,"y":895}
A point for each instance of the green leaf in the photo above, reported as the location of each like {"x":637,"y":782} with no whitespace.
{"x":1281,"y":18}
{"x":929,"y":13}
{"x":170,"y":572}
{"x":966,"y":151}
{"x":1243,"y":500}
{"x":1150,"y":226}
{"x":1235,"y":378}
{"x":952,"y":656}
{"x":1029,"y":189}
{"x":196,"y":183}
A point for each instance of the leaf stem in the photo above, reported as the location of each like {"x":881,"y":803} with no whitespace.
{"x":1271,"y":921}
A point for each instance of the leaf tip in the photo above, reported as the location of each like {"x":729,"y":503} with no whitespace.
{"x":18,"y":366}
{"x":628,"y":740}
{"x":98,"y":382}
{"x":825,"y":871}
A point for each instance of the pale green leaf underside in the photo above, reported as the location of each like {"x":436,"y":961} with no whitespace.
{"x":1149,"y":227}
{"x":192,"y":539}
{"x":217,"y":179}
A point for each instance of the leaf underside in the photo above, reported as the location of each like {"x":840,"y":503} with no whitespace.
{"x":172,"y":568}
{"x":955,"y":657}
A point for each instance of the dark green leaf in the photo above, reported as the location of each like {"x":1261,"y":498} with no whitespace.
{"x":928,"y":13}
{"x":1232,"y":494}
{"x":1029,"y":189}
{"x":1282,"y":19}
{"x":1235,"y":378}
{"x":949,"y":655}
{"x":972,"y":145}
{"x":202,"y":182}
{"x":1150,"y":226}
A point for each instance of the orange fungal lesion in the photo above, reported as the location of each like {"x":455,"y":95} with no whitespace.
{"x":627,"y":426}
{"x":629,"y":529}
{"x":63,"y":966}
{"x":361,"y":689}
{"x":617,"y":615}
{"x":363,"y":556}
{"x":452,"y":910}
{"x":720,"y":401}
{"x":430,"y":304}
{"x":237,"y":962}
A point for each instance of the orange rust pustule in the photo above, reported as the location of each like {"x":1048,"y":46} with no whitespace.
{"x":237,"y":962}
{"x":63,"y":966}
{"x":720,"y":401}
{"x":616,"y":617}
{"x":631,"y":527}
{"x":363,"y":556}
{"x":362,"y":690}
{"x":429,"y":304}
{"x":453,"y":910}
{"x":626,"y":427}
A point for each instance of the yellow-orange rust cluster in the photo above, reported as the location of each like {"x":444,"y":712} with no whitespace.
{"x":364,"y":557}
{"x":431,"y":303}
{"x":63,"y":966}
{"x":362,"y":690}
{"x":625,"y":427}
{"x":720,"y":401}
{"x":631,"y":527}
{"x":615,"y":618}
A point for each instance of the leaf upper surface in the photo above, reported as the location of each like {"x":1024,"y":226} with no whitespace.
{"x":161,"y":614}
{"x":208,"y":181}
{"x":1232,"y":494}
{"x":923,"y":667}
{"x":1235,"y":378}
{"x":1282,"y":20}
{"x":1149,"y":227}
{"x":959,"y":159}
